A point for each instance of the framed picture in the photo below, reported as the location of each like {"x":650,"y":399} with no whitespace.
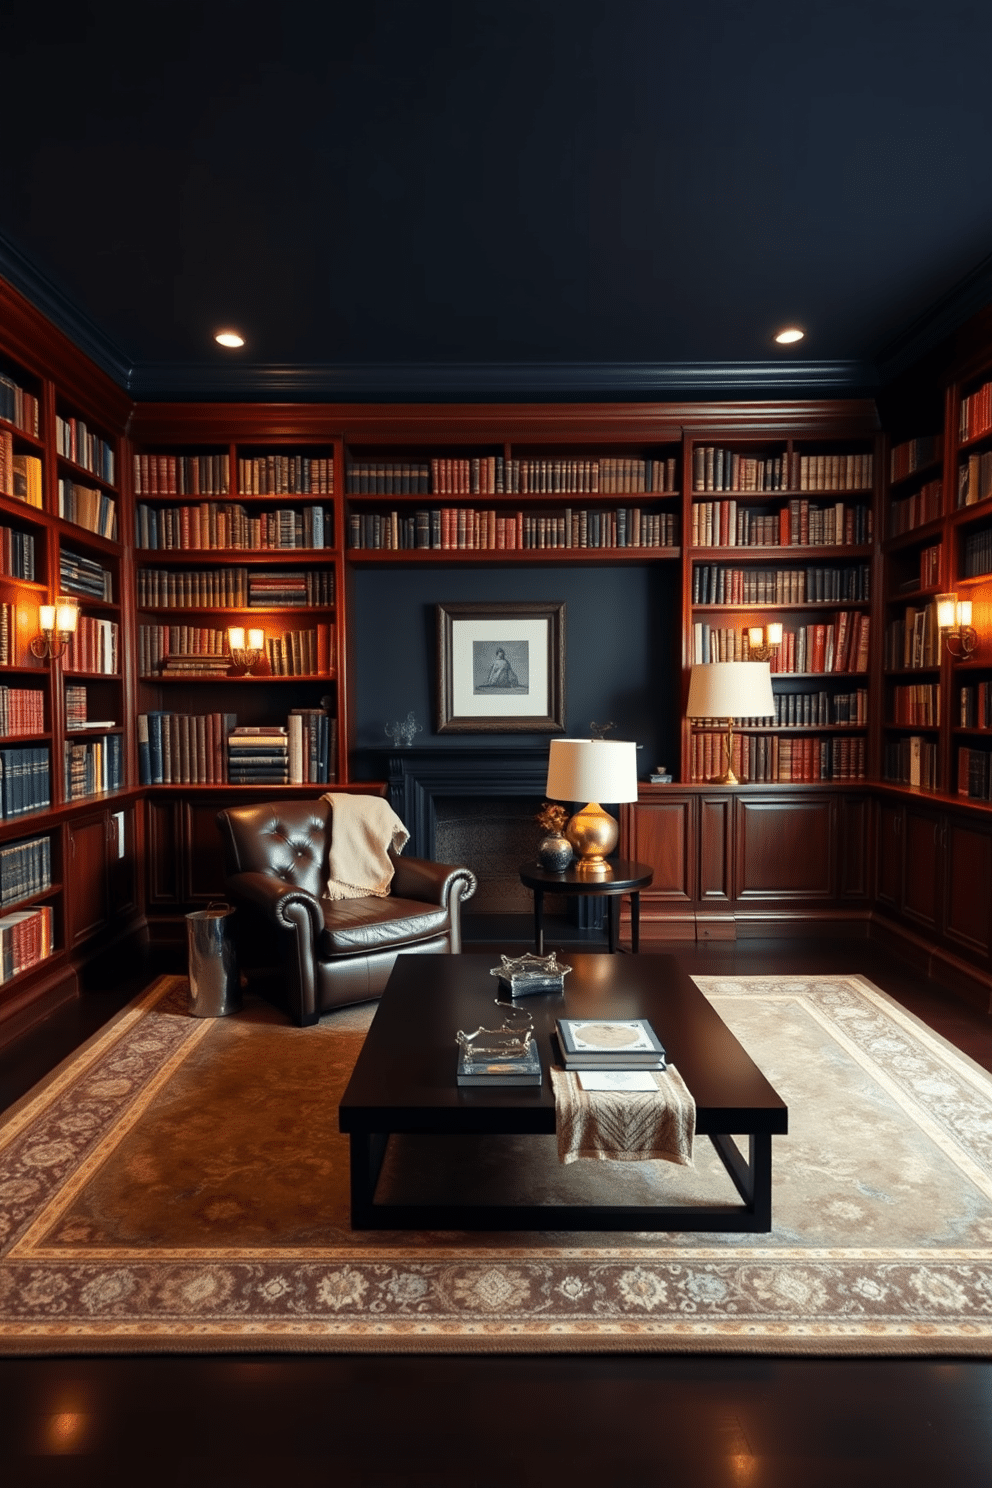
{"x":501,"y":668}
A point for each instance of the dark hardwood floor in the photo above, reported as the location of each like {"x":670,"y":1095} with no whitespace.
{"x":382,"y":1421}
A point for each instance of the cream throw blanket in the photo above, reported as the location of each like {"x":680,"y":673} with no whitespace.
{"x":363,"y":828}
{"x":625,"y":1126}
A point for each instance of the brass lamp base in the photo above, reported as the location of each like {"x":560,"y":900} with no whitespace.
{"x":728,"y":777}
{"x":593,"y":833}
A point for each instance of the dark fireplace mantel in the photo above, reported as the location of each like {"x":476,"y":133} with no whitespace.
{"x":420,"y":776}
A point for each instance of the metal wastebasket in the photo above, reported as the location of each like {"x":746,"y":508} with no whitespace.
{"x":214,"y":984}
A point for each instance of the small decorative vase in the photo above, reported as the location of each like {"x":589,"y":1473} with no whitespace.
{"x":554,"y":853}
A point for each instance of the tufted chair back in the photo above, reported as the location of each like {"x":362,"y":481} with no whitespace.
{"x":286,"y":838}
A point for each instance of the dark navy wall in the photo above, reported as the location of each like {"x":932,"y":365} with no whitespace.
{"x":621,"y":631}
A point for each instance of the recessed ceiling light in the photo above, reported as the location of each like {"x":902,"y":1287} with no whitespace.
{"x":790,"y":334}
{"x":229,"y":338}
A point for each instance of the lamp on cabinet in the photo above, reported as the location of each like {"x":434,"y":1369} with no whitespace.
{"x":954,"y":622}
{"x":725,"y":690}
{"x":592,"y":770}
{"x":245,"y":653}
{"x":762,"y":640}
{"x":56,"y":627}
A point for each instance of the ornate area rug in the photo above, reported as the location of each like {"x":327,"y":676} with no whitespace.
{"x":180,"y":1185}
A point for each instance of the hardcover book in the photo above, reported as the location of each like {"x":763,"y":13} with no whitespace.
{"x":610,"y":1043}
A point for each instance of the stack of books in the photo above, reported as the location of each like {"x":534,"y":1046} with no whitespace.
{"x":258,"y":756}
{"x":80,"y":575}
{"x":196,"y":666}
{"x":609,"y":1044}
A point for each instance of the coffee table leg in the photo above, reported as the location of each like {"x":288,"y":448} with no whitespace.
{"x":539,"y":921}
{"x":367,"y":1152}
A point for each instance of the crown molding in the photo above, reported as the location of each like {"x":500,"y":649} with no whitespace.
{"x":474,"y":381}
{"x":56,"y":306}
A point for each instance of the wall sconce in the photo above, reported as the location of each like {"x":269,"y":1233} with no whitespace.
{"x":57,"y":625}
{"x":245,"y":655}
{"x":762,"y":640}
{"x":954,"y":620}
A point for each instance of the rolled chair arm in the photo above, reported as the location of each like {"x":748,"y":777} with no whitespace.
{"x":432,"y":883}
{"x":296,"y":912}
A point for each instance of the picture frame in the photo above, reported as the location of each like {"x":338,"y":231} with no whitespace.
{"x":501,"y":667}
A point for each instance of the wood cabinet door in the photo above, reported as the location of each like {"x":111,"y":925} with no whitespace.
{"x":785,"y":849}
{"x":923,"y":839}
{"x":88,"y":897}
{"x":661,"y":834}
{"x":203,"y":858}
{"x":888,"y":855}
{"x":967,"y":885}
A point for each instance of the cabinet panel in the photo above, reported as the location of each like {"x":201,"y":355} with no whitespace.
{"x":853,"y":822}
{"x":203,"y":859}
{"x":968,"y":886}
{"x":888,"y":855}
{"x":122,"y":864}
{"x":661,"y":834}
{"x":923,"y":849}
{"x":785,"y":849}
{"x":88,"y":896}
{"x":162,"y":837}
{"x":715,"y":823}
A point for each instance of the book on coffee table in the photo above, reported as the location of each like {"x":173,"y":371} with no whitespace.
{"x":609,"y":1043}
{"x":507,"y":1071}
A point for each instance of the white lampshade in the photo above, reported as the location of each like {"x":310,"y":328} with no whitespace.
{"x":592,"y":770}
{"x":731,"y":689}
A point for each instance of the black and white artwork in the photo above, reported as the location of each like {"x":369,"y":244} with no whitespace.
{"x":501,"y":667}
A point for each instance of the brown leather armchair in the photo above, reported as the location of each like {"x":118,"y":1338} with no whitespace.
{"x":330,"y":952}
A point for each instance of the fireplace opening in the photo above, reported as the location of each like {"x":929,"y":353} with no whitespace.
{"x":493,"y":838}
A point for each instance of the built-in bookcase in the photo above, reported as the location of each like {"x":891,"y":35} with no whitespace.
{"x":782,"y":532}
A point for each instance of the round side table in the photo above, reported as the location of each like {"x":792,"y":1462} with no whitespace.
{"x":622,"y":878}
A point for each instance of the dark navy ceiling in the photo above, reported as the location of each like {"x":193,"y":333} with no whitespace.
{"x":498,"y":197}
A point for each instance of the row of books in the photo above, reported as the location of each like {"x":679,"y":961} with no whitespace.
{"x":230,"y":525}
{"x":819,"y":709}
{"x":930,"y":566}
{"x":716,"y":469}
{"x":300,"y":653}
{"x":974,"y":773}
{"x":20,"y":475}
{"x":93,"y":766}
{"x":916,"y":705}
{"x":912,"y":640}
{"x":976,"y":553}
{"x":286,"y":475}
{"x":915,"y":454}
{"x":95,"y":647}
{"x":75,"y":442}
{"x":88,"y":507}
{"x":974,"y":479}
{"x":840,"y":645}
{"x":975,"y":418}
{"x":233,"y":588}
{"x":182,"y":475}
{"x":81,"y":575}
{"x":196,"y":749}
{"x":715,"y":584}
{"x":18,"y":406}
{"x":76,"y":709}
{"x":911,"y":761}
{"x":975,"y":705}
{"x":158,"y":643}
{"x":471,"y":529}
{"x":25,"y":869}
{"x":24,"y":780}
{"x":17,"y":553}
{"x":492,"y":475}
{"x":779,"y":757}
{"x":910,"y":512}
{"x":22,"y":711}
{"x":799,"y":524}
{"x":25,"y":939}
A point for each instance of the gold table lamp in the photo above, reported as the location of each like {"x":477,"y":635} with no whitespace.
{"x":592,"y":770}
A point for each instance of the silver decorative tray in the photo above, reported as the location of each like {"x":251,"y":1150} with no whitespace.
{"x":522,"y":976}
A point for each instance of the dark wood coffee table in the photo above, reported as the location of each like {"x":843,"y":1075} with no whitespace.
{"x":404,"y":1081}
